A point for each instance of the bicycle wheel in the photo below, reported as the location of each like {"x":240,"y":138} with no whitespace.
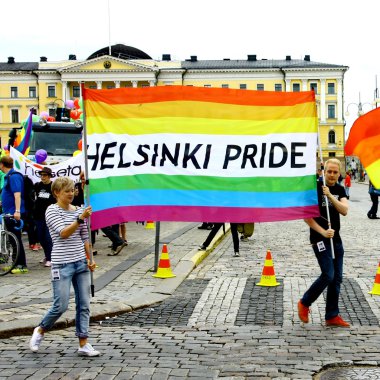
{"x":9,"y":251}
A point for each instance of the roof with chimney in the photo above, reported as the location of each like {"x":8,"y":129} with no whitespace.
{"x":130,"y":53}
{"x":12,"y":65}
{"x":253,"y":63}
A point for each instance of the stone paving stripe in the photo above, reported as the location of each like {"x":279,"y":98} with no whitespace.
{"x":174,"y":311}
{"x":219,"y":303}
{"x":260,"y":305}
{"x":354,"y":304}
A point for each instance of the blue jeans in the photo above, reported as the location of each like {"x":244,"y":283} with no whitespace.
{"x":44,"y":238}
{"x":78,"y":274}
{"x":330,"y":278}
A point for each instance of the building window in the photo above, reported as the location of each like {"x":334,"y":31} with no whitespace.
{"x":296,"y":87}
{"x":110,"y":86}
{"x":14,"y":115}
{"x":145,"y":85}
{"x":51,"y":91}
{"x":52,"y":112}
{"x":242,"y":86}
{"x":260,"y":87}
{"x":93,"y":87}
{"x":331,"y":88}
{"x":225,"y":85}
{"x":14,"y":92}
{"x":331,"y":154}
{"x":331,"y":137}
{"x":76,"y":91}
{"x":207,"y":85}
{"x":314,"y":87}
{"x":32,"y":92}
{"x":278,"y":87}
{"x":331,"y":111}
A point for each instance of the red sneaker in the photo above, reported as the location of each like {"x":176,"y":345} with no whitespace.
{"x":303,"y":312}
{"x":337,"y":321}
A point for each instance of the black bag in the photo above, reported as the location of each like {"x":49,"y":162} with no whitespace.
{"x":29,"y":192}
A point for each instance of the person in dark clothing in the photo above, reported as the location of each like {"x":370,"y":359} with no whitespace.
{"x":321,"y":236}
{"x":372,"y":213}
{"x":78,"y":195}
{"x":216,"y":227}
{"x":44,"y":198}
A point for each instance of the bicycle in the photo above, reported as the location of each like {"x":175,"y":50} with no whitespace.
{"x":9,"y":245}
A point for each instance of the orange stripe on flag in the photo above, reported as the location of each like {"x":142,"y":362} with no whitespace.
{"x":215,"y":95}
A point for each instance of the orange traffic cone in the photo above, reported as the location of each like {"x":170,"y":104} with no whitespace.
{"x":268,"y":278}
{"x":149,"y":225}
{"x":164,"y":270}
{"x":376,"y":286}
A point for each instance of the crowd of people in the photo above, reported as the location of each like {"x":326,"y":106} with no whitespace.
{"x":33,"y":213}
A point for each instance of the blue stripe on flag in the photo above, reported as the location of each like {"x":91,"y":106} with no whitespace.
{"x":202,"y":198}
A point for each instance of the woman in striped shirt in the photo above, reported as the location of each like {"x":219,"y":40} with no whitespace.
{"x":69,"y":258}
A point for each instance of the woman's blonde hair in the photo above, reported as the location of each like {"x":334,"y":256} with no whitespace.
{"x":61,"y":183}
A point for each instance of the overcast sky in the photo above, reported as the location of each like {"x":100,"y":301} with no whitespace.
{"x":330,"y":31}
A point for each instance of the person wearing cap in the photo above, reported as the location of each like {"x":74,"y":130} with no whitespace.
{"x":44,"y":198}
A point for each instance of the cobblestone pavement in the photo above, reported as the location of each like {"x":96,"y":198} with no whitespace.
{"x":219,"y":324}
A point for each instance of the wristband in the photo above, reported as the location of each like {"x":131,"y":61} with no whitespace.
{"x":17,"y":211}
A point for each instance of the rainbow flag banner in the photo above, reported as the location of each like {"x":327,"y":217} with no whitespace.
{"x":176,"y":153}
{"x":364,"y":142}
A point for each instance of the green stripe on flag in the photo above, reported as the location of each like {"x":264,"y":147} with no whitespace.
{"x":180,"y":182}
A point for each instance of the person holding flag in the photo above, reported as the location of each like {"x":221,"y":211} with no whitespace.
{"x":328,"y":247}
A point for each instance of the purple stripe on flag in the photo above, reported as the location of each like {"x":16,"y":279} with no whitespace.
{"x":107,"y":217}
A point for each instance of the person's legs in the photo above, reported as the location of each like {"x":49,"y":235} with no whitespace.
{"x":81,"y":284}
{"x":235,"y":236}
{"x":212,"y":234}
{"x":375,"y":204}
{"x":113,"y":236}
{"x":44,"y":238}
{"x":61,"y":280}
{"x":123,"y":231}
{"x":326,"y":264}
{"x":333,"y":290}
{"x":32,"y":231}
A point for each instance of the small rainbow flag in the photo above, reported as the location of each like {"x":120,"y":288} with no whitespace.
{"x":175,"y":153}
{"x":364,"y":142}
{"x":26,"y":133}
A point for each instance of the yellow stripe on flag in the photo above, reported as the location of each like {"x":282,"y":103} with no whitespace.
{"x":190,"y":109}
{"x":181,"y":125}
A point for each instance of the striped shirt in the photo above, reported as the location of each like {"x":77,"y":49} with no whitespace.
{"x":71,"y":249}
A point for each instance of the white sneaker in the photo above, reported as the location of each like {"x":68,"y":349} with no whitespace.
{"x":47,"y":264}
{"x":236,"y":254}
{"x":87,"y":350}
{"x":35,"y":340}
